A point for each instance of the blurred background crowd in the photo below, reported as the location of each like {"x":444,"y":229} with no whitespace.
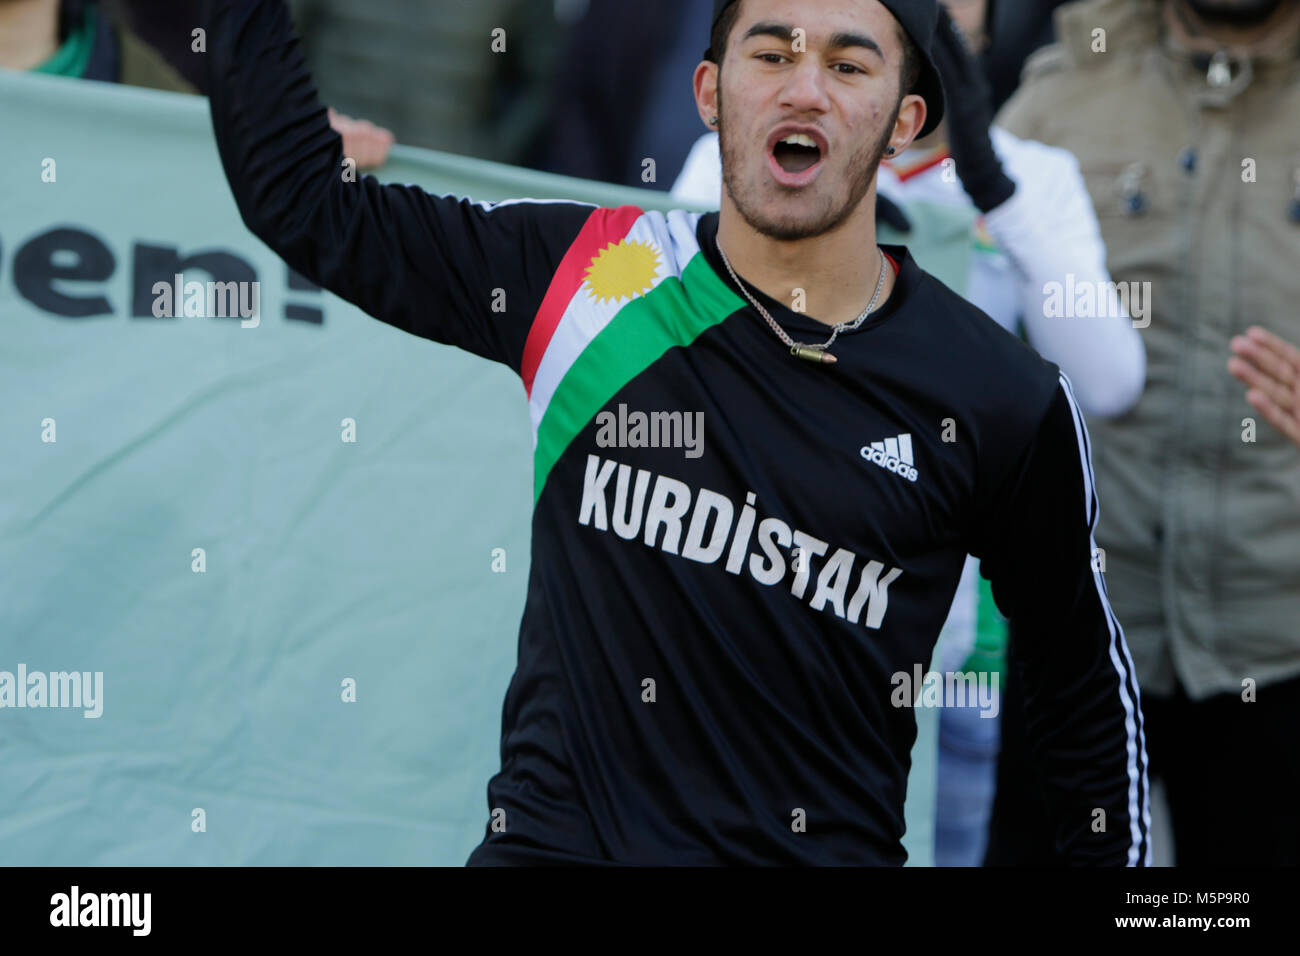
{"x":587,"y":88}
{"x":1151,"y":143}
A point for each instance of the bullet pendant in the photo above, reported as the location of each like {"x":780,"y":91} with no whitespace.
{"x":813,"y":355}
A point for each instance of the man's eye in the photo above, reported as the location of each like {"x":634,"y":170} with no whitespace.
{"x":771,"y":57}
{"x":849,"y":68}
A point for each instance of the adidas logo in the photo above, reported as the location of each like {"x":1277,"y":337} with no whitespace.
{"x":892,"y":454}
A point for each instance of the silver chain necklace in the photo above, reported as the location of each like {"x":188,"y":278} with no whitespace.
{"x":813,"y":353}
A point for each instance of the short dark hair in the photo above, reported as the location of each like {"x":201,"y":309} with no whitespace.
{"x":911,"y":72}
{"x":722,"y":30}
{"x":908,"y":77}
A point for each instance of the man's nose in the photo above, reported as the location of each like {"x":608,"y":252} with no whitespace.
{"x":805,"y":88}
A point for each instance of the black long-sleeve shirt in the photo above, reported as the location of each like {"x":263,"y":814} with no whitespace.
{"x":737,"y":556}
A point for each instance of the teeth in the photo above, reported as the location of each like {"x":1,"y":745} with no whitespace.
{"x":800,"y":139}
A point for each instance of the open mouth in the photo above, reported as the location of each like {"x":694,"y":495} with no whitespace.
{"x":797,"y":153}
{"x":796,"y":156}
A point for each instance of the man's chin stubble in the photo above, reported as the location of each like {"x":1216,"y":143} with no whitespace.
{"x":787,"y":228}
{"x":830,"y":217}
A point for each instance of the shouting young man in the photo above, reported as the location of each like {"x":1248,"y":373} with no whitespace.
{"x":721,"y":650}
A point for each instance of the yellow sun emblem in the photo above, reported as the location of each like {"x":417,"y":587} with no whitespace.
{"x":622,"y":270}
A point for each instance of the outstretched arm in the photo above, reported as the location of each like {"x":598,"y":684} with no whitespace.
{"x":437,"y":267}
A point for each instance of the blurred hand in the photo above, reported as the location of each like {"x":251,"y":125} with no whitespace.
{"x":1270,"y":367}
{"x":363,"y":141}
{"x":968,"y":113}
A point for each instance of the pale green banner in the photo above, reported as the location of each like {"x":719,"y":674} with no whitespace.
{"x":229,"y":530}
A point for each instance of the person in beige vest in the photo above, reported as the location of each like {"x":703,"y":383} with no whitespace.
{"x":1185,"y":118}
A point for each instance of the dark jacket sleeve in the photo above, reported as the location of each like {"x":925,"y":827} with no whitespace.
{"x":451,"y":270}
{"x":1082,"y":711}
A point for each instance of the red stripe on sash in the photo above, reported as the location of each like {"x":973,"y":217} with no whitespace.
{"x":603,"y":228}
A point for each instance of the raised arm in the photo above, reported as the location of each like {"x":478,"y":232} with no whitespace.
{"x":1038,"y":211}
{"x":1082,"y":709}
{"x":1049,"y":232}
{"x":451,"y":270}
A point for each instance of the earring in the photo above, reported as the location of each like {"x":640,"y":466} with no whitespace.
{"x":713,"y":121}
{"x":891,"y":151}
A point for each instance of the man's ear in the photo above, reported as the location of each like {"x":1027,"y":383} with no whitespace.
{"x":911,"y":118}
{"x":706,"y":92}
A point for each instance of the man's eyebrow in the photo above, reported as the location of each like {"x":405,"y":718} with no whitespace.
{"x":838,"y":41}
{"x":781,"y":31}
